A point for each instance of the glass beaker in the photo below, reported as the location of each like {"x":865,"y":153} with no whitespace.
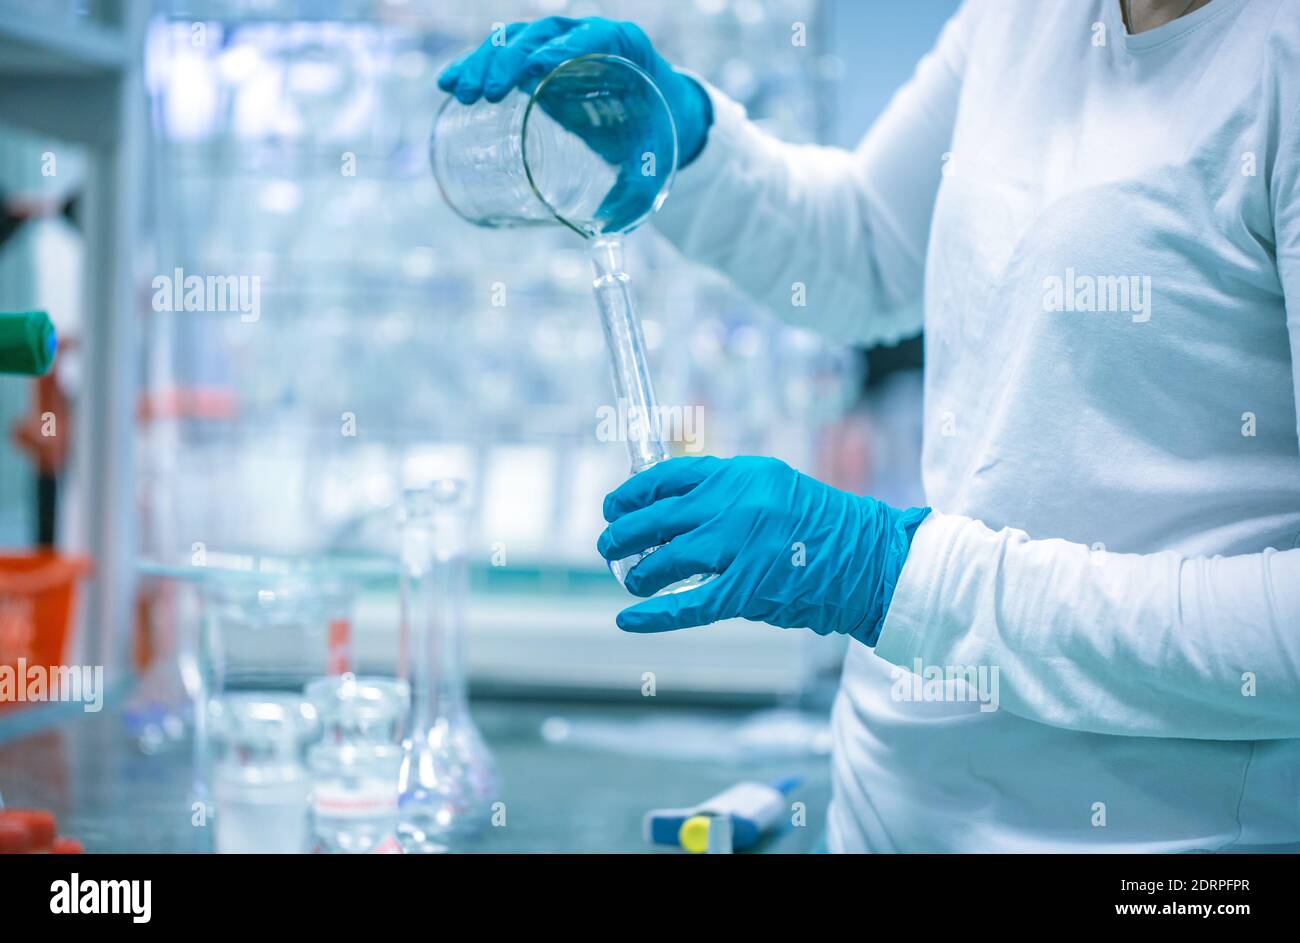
{"x":271,"y":630}
{"x":265,"y":630}
{"x":593,"y":146}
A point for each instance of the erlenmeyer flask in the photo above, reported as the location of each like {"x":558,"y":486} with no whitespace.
{"x":592,"y":146}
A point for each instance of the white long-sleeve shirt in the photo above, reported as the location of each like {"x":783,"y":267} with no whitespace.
{"x":1100,"y":234}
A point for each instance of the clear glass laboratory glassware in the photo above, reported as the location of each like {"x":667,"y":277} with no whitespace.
{"x":273,"y":630}
{"x":444,"y":761}
{"x":632,"y":387}
{"x":264,"y":631}
{"x":157,"y":713}
{"x":474,"y":758}
{"x":356,"y":763}
{"x":592,"y":146}
{"x":259,"y":781}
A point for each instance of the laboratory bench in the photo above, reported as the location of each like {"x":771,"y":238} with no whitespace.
{"x":577,"y":776}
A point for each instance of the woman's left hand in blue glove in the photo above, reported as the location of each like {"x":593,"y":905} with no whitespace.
{"x":788,"y":550}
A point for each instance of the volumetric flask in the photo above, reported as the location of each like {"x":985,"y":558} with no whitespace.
{"x":592,"y":146}
{"x":439,"y":796}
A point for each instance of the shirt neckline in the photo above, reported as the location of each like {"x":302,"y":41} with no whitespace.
{"x":1165,"y":32}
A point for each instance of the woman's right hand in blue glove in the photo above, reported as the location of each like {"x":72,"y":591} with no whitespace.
{"x":525,"y":52}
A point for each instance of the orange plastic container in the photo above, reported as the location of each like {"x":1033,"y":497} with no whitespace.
{"x":38,"y":594}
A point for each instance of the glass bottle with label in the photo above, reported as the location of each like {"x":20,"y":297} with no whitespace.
{"x":355,"y":765}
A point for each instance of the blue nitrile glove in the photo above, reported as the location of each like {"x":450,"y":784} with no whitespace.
{"x":789,"y":549}
{"x":531,"y":50}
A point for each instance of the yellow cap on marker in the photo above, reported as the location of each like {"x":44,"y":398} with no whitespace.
{"x":694,"y":834}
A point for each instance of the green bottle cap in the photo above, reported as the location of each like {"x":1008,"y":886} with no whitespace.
{"x":27,"y":342}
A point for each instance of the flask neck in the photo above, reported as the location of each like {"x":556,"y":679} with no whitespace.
{"x":635,"y":404}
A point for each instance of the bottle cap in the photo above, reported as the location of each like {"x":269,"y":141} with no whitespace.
{"x":694,"y":834}
{"x":28,"y":342}
{"x":39,"y":824}
{"x":15,"y":836}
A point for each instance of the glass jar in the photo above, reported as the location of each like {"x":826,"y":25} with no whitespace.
{"x":259,"y":780}
{"x":355,"y":765}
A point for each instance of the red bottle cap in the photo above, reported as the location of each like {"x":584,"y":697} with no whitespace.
{"x":15,"y":836}
{"x":40,"y":826}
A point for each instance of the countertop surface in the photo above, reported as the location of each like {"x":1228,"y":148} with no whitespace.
{"x":577,"y":777}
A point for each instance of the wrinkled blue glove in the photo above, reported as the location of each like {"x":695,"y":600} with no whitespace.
{"x":531,"y":50}
{"x":789,"y":550}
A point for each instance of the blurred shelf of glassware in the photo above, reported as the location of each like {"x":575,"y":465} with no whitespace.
{"x":393,"y":343}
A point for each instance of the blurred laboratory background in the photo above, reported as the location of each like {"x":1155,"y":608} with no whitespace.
{"x":220,"y":520}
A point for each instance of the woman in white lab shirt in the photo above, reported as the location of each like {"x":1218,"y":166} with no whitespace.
{"x":1091,"y":640}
